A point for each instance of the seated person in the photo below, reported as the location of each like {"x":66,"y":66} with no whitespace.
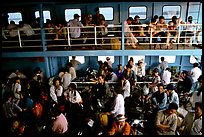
{"x":120,"y":126}
{"x":138,"y":29}
{"x":171,"y":32}
{"x":166,"y":120}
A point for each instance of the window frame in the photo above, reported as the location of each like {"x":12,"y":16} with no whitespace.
{"x":105,"y":14}
{"x":72,"y":16}
{"x":44,"y":19}
{"x":15,"y":18}
{"x":172,"y":15}
{"x":137,"y":14}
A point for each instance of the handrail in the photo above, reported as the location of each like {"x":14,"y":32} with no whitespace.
{"x":114,"y":30}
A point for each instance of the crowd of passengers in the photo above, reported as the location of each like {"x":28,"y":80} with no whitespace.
{"x":157,"y":28}
{"x":33,"y":105}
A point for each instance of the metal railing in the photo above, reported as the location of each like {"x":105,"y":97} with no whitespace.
{"x":93,"y":36}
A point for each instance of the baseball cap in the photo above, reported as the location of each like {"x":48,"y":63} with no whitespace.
{"x":76,"y":15}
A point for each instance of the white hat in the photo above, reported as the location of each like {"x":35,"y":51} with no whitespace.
{"x":120,"y":118}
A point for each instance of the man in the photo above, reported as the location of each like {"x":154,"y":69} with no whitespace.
{"x":75,"y":62}
{"x":166,"y":77}
{"x":192,"y":123}
{"x":97,"y":17}
{"x":163,"y":65}
{"x":195,"y":74}
{"x":75,"y":32}
{"x":159,"y":98}
{"x":60,"y":123}
{"x":130,"y":38}
{"x":172,"y":95}
{"x":166,"y":120}
{"x":120,"y":126}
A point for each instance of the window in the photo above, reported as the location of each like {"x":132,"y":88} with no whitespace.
{"x":69,"y":14}
{"x":107,"y":12}
{"x":103,"y":58}
{"x":137,"y":58}
{"x":140,"y":11}
{"x":16,"y":17}
{"x":170,"y":11}
{"x":46,"y":15}
{"x":194,"y":59}
{"x":169,"y":59}
{"x":79,"y":58}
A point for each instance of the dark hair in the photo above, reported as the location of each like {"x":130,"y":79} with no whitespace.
{"x":173,"y":106}
{"x":162,"y":58}
{"x":130,"y":18}
{"x":199,"y":104}
{"x":118,"y":89}
{"x":185,"y":72}
{"x":195,"y":64}
{"x":161,"y":17}
{"x":155,"y":17}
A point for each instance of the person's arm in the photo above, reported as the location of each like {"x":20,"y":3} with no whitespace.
{"x":164,"y":102}
{"x":127,"y":129}
{"x":52,"y":93}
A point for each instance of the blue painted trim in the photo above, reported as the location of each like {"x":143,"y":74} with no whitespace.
{"x":101,"y":53}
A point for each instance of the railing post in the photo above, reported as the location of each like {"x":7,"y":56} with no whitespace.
{"x":19,"y":39}
{"x":95,"y":38}
{"x":68,"y":37}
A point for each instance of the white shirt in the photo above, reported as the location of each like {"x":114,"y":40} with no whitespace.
{"x":27,"y":29}
{"x":66,"y":80}
{"x":74,"y":97}
{"x":163,"y":65}
{"x":166,"y":77}
{"x":197,"y":127}
{"x":126,"y":88}
{"x":75,"y":32}
{"x":16,"y":88}
{"x":195,"y":98}
{"x":195,"y":74}
{"x":119,"y":107}
{"x":114,"y":77}
{"x":54,"y":93}
{"x":72,"y":71}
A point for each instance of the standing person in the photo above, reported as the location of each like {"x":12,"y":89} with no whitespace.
{"x":56,"y":90}
{"x":97,"y":17}
{"x":102,"y":92}
{"x":118,"y":104}
{"x":109,"y":62}
{"x":16,"y":89}
{"x":126,"y":87}
{"x":166,"y":120}
{"x":75,"y":62}
{"x":195,"y":74}
{"x":163,"y":65}
{"x":66,"y":79}
{"x":60,"y":122}
{"x":119,"y":72}
{"x":130,"y":38}
{"x":75,"y":32}
{"x":166,"y":77}
{"x":197,"y":94}
{"x":72,"y":70}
